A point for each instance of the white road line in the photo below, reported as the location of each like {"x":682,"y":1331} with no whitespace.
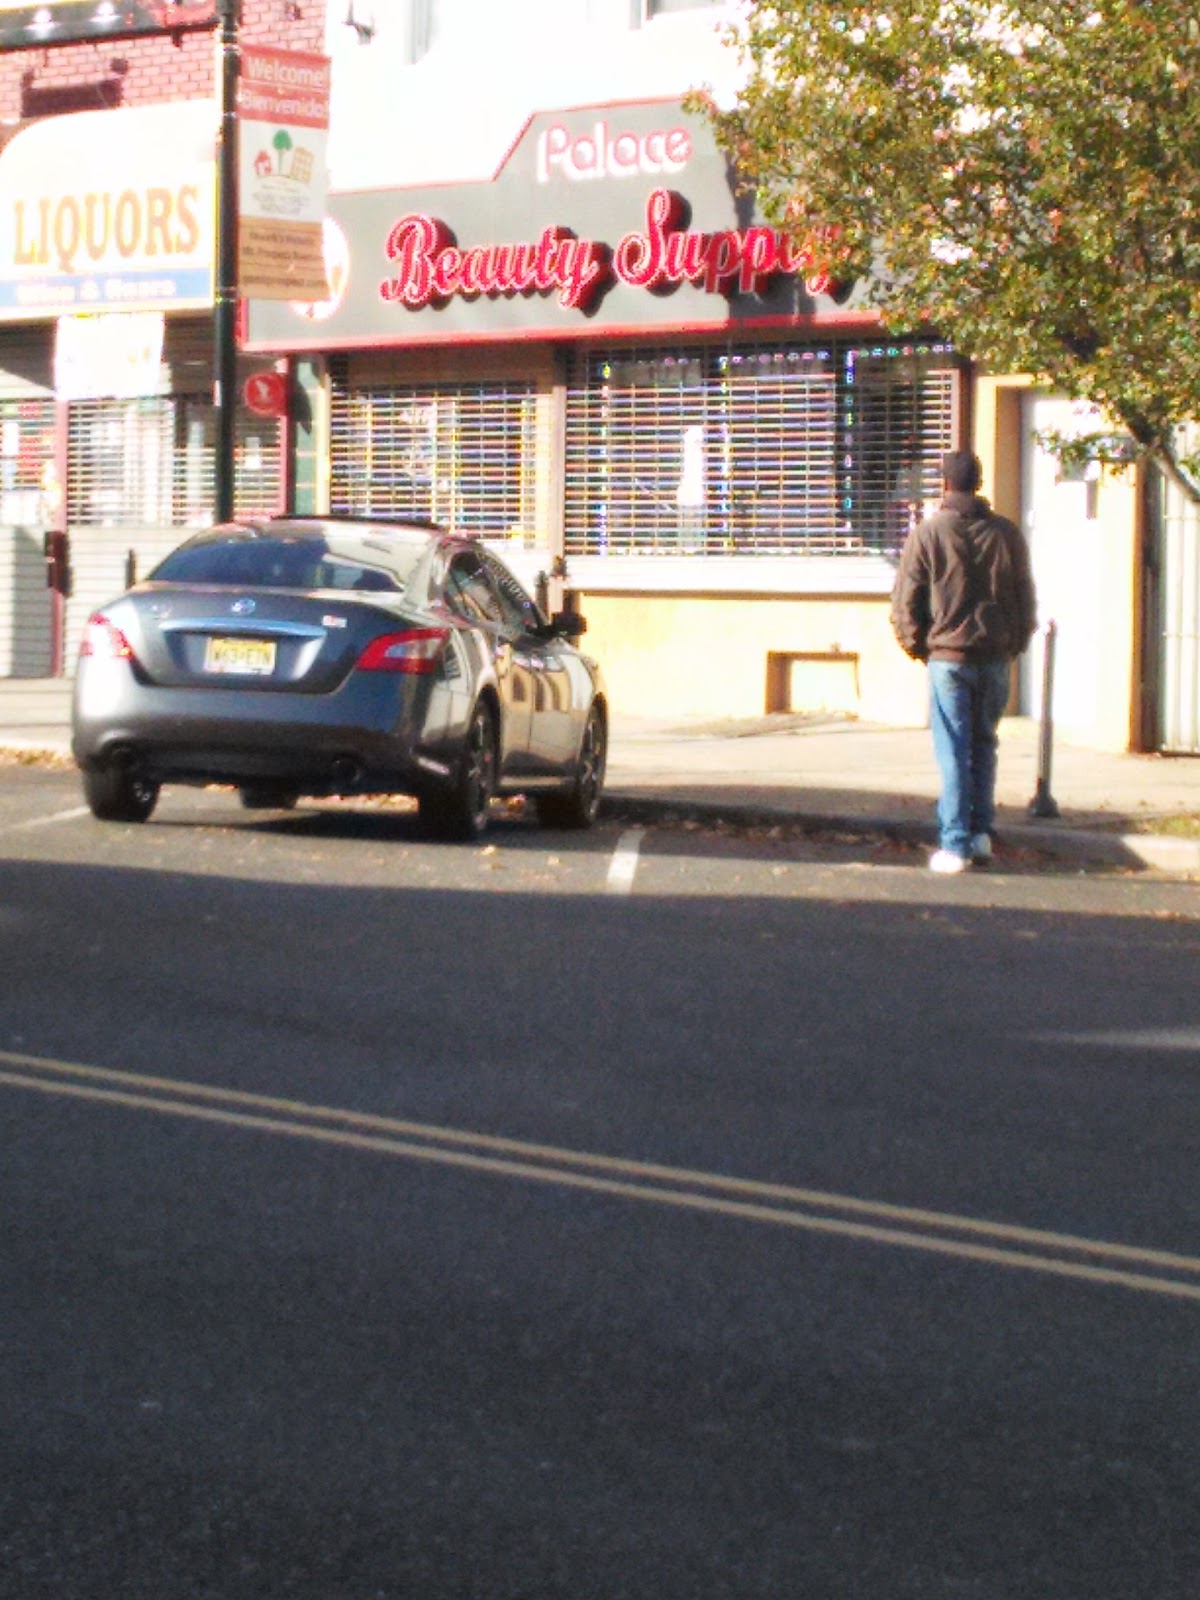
{"x":622,"y":869}
{"x":1131,"y":1039}
{"x":45,"y":822}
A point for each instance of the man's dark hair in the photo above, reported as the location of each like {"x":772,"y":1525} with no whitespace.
{"x":961,"y":470}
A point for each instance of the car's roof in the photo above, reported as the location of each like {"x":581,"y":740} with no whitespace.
{"x":295,"y":551}
{"x":407,"y":530}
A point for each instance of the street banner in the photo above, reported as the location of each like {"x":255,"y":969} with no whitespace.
{"x":283,"y":129}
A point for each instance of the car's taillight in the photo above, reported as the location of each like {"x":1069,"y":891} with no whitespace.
{"x":103,"y":641}
{"x":414,"y":650}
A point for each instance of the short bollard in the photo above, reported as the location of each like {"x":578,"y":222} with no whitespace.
{"x":1043,"y":803}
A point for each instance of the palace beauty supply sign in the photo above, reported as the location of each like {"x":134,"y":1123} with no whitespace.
{"x":618,"y":219}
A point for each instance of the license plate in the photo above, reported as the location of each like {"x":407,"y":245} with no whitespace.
{"x":252,"y":657}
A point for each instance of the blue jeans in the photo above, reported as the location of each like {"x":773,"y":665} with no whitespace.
{"x":966,"y":702}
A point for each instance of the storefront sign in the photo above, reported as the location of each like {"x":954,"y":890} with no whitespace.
{"x":265,"y":394}
{"x":283,"y":126}
{"x":116,"y":354}
{"x":29,"y":24}
{"x":428,"y":268}
{"x":608,"y":150}
{"x":108,"y":210}
{"x":626,"y":220}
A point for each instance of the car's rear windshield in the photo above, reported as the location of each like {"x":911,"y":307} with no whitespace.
{"x":242,"y":560}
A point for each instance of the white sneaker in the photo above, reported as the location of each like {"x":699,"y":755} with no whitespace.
{"x":947,"y":861}
{"x":981,"y":848}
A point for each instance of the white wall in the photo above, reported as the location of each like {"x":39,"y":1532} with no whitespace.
{"x":454,"y":115}
{"x":1084,"y":562}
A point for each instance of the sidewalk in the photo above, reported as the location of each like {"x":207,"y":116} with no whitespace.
{"x":843,"y":775}
{"x":826,"y":772}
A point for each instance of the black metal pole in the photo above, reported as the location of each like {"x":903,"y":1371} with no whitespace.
{"x":225,"y":305}
{"x":1043,"y":803}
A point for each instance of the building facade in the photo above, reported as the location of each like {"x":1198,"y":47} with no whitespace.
{"x":602,"y":357}
{"x":107,"y":203}
{"x":555,"y":320}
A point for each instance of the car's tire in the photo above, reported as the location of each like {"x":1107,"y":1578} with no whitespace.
{"x":461,"y":810}
{"x":118,"y":794}
{"x":579,"y":806}
{"x":268,"y":796}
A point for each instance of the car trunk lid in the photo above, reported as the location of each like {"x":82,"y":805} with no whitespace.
{"x":269,"y":640}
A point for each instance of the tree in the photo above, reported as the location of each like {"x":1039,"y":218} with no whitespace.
{"x":283,"y":143}
{"x":1022,"y":176}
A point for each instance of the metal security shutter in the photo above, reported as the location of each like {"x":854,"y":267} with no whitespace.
{"x":1178,"y":621}
{"x":641,"y":431}
{"x":27,"y":455}
{"x":152,"y":463}
{"x":782,"y":450}
{"x":900,"y":408}
{"x":26,"y":452}
{"x":810,"y":449}
{"x":464,"y":454}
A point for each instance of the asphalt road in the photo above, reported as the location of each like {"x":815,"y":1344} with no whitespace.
{"x":661,"y":1214}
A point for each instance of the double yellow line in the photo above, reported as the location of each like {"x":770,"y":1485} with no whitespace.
{"x":782,"y":1205}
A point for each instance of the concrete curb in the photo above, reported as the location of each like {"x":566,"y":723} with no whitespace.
{"x":1091,"y":847}
{"x":1082,"y":847}
{"x":47,"y":749}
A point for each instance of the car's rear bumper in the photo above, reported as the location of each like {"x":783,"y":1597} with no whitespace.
{"x":373,"y":734}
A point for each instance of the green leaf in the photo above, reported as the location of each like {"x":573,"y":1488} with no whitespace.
{"x":1025,"y":176}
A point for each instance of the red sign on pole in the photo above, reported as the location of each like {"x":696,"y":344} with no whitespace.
{"x":265,"y":394}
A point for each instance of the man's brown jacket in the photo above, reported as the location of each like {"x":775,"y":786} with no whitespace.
{"x":964,"y":590}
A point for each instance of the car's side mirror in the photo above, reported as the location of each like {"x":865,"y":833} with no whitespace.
{"x":568,"y":624}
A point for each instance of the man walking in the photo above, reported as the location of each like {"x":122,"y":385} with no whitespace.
{"x":964,"y":602}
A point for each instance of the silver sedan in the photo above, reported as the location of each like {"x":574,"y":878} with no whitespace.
{"x":316,"y":656}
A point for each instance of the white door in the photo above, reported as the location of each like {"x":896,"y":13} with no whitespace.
{"x":1178,"y":620}
{"x":1067,"y":570}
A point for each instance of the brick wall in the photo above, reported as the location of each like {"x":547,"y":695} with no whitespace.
{"x":144,"y":71}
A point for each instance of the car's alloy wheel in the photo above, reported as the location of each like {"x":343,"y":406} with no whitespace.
{"x":461,"y":812}
{"x":116,"y":794}
{"x":578,"y":808}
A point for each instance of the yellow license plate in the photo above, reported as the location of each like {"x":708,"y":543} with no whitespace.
{"x":254,"y":657}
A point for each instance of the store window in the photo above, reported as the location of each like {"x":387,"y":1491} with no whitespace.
{"x":151,"y":462}
{"x":26,"y":461}
{"x":898,"y":415}
{"x":463,"y":455}
{"x":775,"y":449}
{"x":431,"y":22}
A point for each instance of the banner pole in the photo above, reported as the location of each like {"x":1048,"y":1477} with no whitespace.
{"x":226,"y":296}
